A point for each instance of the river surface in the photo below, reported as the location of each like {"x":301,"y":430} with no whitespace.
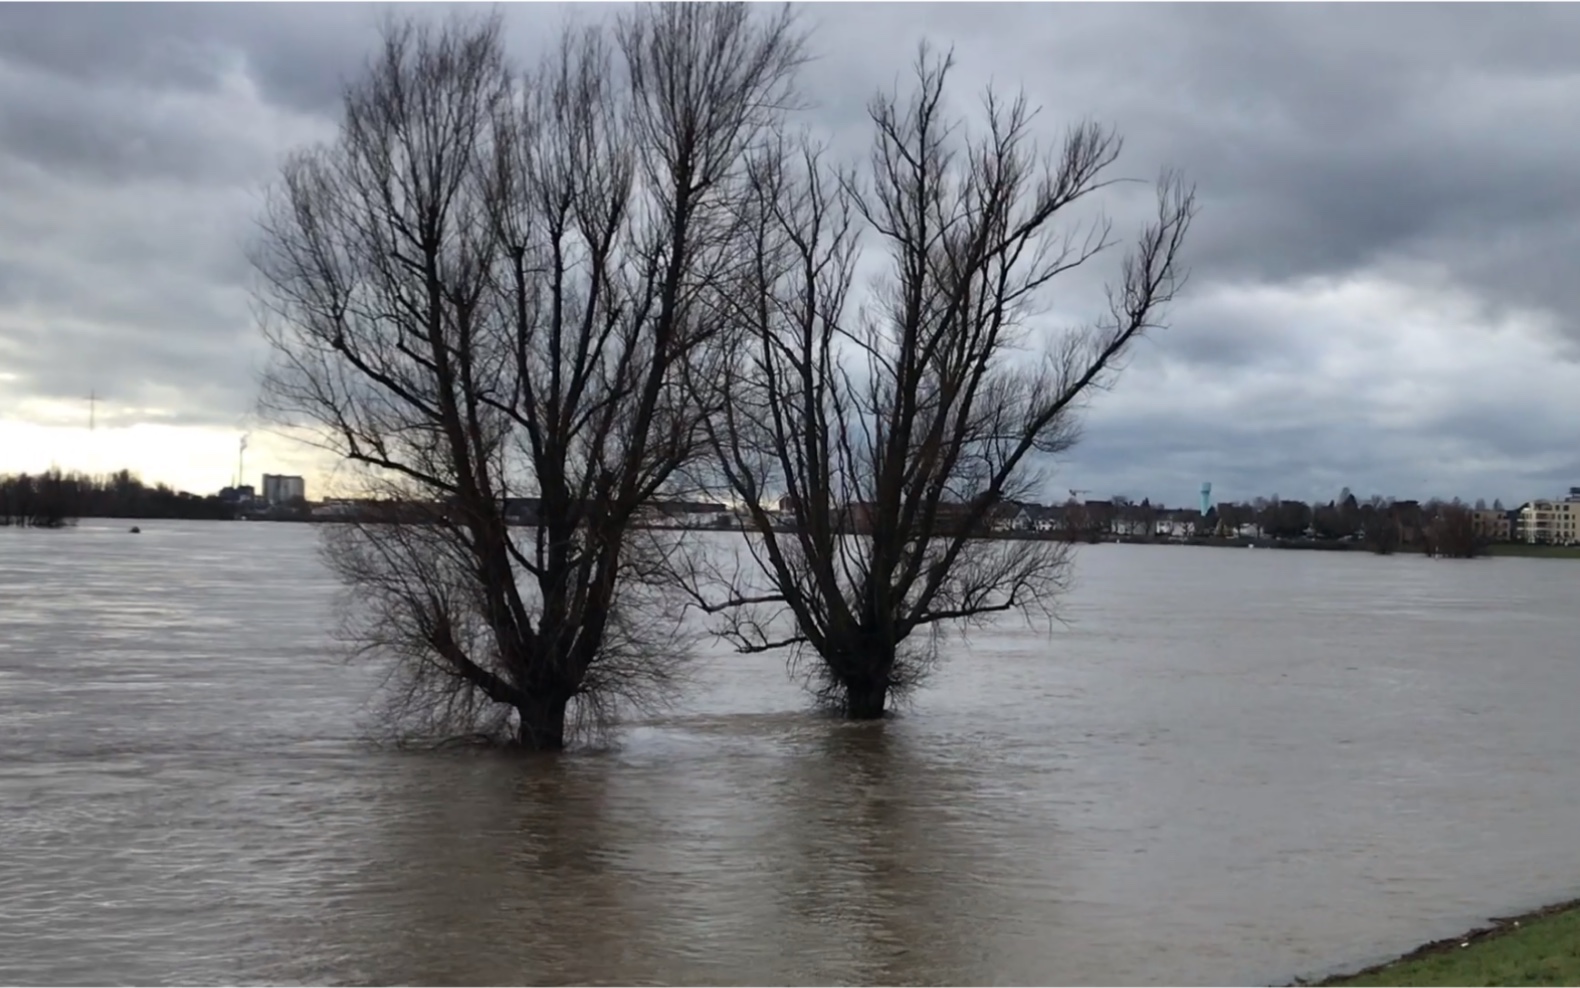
{"x":1229,"y":767}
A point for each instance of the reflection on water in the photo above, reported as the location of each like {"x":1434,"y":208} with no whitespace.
{"x":1230,"y":767}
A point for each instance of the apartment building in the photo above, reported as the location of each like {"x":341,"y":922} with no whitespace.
{"x":1493,"y":526}
{"x":1550,"y":522}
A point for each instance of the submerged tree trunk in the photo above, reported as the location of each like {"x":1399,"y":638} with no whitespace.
{"x":865,"y":698}
{"x":542,"y":726}
{"x":863,"y":673}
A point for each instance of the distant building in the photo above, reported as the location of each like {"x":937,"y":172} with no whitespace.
{"x":1493,"y":526}
{"x":1052,"y":518}
{"x":1179,"y":523}
{"x":665,"y":514}
{"x":693,"y":514}
{"x":237,"y":495}
{"x":335,"y":508}
{"x":283,"y":489}
{"x":1010,"y":517}
{"x":1550,"y":522}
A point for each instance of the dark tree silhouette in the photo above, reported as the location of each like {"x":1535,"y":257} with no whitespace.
{"x":56,"y":499}
{"x":1281,"y":519}
{"x":1451,"y":533}
{"x":489,"y":285}
{"x":922,"y":413}
{"x":1380,"y":528}
{"x":48,"y":500}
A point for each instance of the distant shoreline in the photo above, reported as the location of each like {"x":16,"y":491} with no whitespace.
{"x":1494,"y":550}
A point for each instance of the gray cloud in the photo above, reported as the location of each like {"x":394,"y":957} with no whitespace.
{"x":1381,"y":292}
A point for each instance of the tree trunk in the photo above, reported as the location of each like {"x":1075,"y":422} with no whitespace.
{"x":864,"y":699}
{"x":542,"y":725}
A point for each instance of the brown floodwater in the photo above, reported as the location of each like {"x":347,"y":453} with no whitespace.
{"x":1229,"y":767}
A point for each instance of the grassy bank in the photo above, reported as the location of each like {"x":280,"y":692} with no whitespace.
{"x":1539,"y":948}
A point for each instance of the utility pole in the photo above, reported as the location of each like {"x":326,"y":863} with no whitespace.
{"x":93,"y":403}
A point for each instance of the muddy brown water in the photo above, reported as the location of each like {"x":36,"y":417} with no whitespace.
{"x":1232,"y":766}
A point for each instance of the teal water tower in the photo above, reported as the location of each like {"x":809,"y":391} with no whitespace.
{"x":1206,"y":497}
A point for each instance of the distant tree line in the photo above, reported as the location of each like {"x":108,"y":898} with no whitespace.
{"x":1437,"y":527}
{"x":54,"y":499}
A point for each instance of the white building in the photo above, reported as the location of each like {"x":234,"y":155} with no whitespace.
{"x":283,"y":489}
{"x":1551,"y":522}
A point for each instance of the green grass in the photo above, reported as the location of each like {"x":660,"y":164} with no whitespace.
{"x":1534,"y":551}
{"x":1542,"y":948}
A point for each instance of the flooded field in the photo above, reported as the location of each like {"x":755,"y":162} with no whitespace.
{"x":1230,"y":766}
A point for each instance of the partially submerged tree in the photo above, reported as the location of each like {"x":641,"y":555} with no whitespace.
{"x":51,"y":499}
{"x":1380,"y":529}
{"x":1451,"y":533}
{"x":487,"y":287}
{"x":897,"y":427}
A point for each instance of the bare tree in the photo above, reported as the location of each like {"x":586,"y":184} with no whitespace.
{"x":1147,"y":516}
{"x":896,"y":428}
{"x":1451,"y":533}
{"x":1380,"y":527}
{"x":486,"y":288}
{"x":50,"y":500}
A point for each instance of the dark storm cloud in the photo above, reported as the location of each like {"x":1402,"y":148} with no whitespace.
{"x":1381,"y":289}
{"x":299,"y":57}
{"x":1324,"y":139}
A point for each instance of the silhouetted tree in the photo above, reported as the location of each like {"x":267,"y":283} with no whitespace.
{"x":489,"y":284}
{"x":1379,"y":528}
{"x":56,"y":498}
{"x":48,"y":500}
{"x":1411,"y":520}
{"x":1451,"y":534}
{"x":920,"y":408}
{"x":1146,"y":519}
{"x":1078,"y":523}
{"x":1281,"y":519}
{"x":1232,"y":517}
{"x":1328,"y":522}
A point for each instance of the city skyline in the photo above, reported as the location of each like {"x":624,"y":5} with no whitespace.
{"x":1378,"y":296}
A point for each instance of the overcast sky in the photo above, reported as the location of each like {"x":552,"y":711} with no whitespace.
{"x":1384,"y":279}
